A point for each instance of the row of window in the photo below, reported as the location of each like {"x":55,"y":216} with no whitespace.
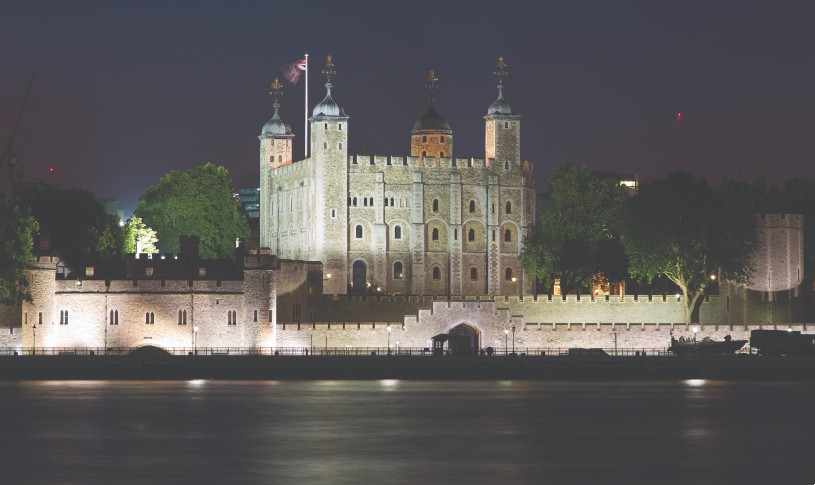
{"x":424,"y":139}
{"x":398,"y":272}
{"x":389,"y":201}
{"x":150,"y":317}
{"x":434,"y":234}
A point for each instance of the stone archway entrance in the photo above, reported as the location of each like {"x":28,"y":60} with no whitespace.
{"x":463,"y":340}
{"x":359,"y":277}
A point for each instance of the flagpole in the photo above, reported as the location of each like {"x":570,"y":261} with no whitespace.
{"x":305,"y":117}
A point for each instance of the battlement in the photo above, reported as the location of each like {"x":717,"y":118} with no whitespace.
{"x":300,"y":167}
{"x":361,"y":161}
{"x":791,"y":221}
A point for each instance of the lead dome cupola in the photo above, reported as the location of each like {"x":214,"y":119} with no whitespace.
{"x":276,"y":126}
{"x":500,"y":106}
{"x":431,"y":121}
{"x":328,"y":107}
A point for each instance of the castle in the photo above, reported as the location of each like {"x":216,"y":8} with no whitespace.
{"x":388,"y":252}
{"x":426,"y":224}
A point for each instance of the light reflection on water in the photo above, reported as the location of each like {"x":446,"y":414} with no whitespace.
{"x":396,"y":431}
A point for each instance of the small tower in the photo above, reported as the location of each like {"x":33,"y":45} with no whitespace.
{"x":275,"y":151}
{"x":503,"y":126}
{"x":329,"y":154}
{"x":431,"y":135}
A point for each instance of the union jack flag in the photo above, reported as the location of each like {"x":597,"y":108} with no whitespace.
{"x":293,"y":71}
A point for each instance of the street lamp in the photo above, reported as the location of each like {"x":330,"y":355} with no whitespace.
{"x":34,"y":348}
{"x":195,"y":339}
{"x":389,"y":340}
{"x":513,"y":339}
{"x":695,"y":329}
{"x":397,"y":347}
{"x":506,"y":341}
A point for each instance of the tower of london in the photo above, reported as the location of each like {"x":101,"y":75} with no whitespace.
{"x":429,"y":223}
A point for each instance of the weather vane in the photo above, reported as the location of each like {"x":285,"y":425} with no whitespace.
{"x":501,"y":70}
{"x":432,"y":82}
{"x":329,"y":68}
{"x":276,"y":90}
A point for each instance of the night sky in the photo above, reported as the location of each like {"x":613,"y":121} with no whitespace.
{"x":127,"y":91}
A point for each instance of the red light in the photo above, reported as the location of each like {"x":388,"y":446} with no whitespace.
{"x":51,"y":169}
{"x":678,"y":116}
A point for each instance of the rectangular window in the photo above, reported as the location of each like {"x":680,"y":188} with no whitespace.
{"x":256,"y":316}
{"x":39,"y":319}
{"x":270,"y":316}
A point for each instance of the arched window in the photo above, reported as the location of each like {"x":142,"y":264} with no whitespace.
{"x":365,"y":201}
{"x":474,"y":274}
{"x":441,"y":154}
{"x":371,"y":201}
{"x":325,"y":145}
{"x":441,"y":138}
{"x":355,"y":201}
{"x":506,"y":124}
{"x":340,"y":146}
{"x":435,"y":234}
{"x":325,"y":126}
{"x":508,"y":235}
{"x":506,"y":165}
{"x":152,"y":318}
{"x":436,"y":273}
{"x":397,"y":232}
{"x":424,"y":140}
{"x":358,"y":231}
{"x":391,"y":201}
{"x":509,"y":207}
{"x":179,"y":316}
{"x":424,"y":154}
{"x":110,"y":320}
{"x":386,"y":201}
{"x":508,"y":274}
{"x":397,"y":270}
{"x":147,"y":317}
{"x":333,"y":213}
{"x":435,"y":205}
{"x":471,"y":235}
{"x":472,"y":206}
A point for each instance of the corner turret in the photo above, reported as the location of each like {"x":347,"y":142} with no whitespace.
{"x":431,"y":136}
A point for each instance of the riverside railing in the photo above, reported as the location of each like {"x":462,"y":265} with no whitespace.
{"x":334,"y":351}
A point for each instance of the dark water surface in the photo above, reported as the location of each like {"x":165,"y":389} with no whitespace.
{"x":382,"y":432}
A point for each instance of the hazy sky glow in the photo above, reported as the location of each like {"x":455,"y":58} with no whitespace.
{"x":127,"y":91}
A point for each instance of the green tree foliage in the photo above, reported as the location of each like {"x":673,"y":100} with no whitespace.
{"x":681,"y":229}
{"x":78,"y":227}
{"x":17,"y":232}
{"x":576,"y":233}
{"x":198,"y":202}
{"x":138,"y":237}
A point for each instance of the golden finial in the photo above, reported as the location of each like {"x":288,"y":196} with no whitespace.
{"x":276,"y":90}
{"x":501,"y":70}
{"x":432,"y":82}
{"x":329,"y":68}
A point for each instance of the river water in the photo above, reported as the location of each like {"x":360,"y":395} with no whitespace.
{"x":383,"y":432}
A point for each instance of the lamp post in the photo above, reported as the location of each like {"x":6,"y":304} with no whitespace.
{"x":506,"y":341}
{"x":389,"y":340}
{"x":614,"y":333}
{"x":513,"y":339}
{"x":195,"y":339}
{"x":34,"y":348}
{"x":397,"y":347}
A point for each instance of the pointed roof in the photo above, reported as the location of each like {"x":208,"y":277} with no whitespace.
{"x":500,"y":106}
{"x":329,"y":107}
{"x":431,"y":121}
{"x":276,"y":127}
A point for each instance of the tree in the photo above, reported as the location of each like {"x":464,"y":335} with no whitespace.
{"x":198,"y":202}
{"x":576,"y":233}
{"x":680,"y":228}
{"x":138,"y":237}
{"x":78,"y":227}
{"x":17,"y":232}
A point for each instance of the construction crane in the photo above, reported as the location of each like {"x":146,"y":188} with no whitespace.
{"x":8,"y":150}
